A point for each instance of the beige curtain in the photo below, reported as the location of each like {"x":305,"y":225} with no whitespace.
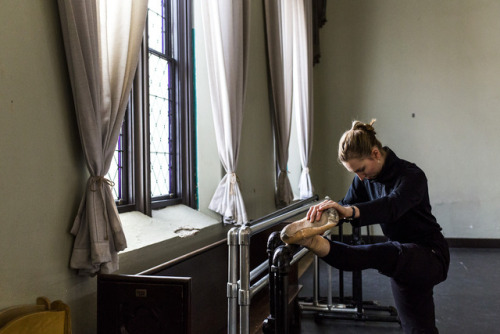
{"x":225,"y":24}
{"x":279,"y":31}
{"x":102,"y":41}
{"x":303,"y":89}
{"x":289,"y":38}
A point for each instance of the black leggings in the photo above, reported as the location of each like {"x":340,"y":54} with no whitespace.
{"x":414,"y":271}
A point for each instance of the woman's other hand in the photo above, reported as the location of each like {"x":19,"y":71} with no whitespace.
{"x":316,"y":211}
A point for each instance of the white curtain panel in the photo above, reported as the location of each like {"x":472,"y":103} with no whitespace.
{"x":303,"y":89}
{"x":279,"y":30}
{"x":225,"y":25}
{"x":102,"y":41}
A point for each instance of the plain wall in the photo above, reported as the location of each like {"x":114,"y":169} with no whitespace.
{"x":381,"y":59}
{"x":42,"y":171}
{"x":429,"y":72}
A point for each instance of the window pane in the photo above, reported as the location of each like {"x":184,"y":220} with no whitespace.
{"x":115,"y":173}
{"x":156,"y":26}
{"x":160,"y":125}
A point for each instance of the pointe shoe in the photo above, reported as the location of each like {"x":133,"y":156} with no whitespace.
{"x":302,"y":229}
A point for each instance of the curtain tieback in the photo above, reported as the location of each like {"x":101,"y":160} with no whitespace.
{"x":233,"y":179}
{"x":306,"y":170}
{"x":98,"y":181}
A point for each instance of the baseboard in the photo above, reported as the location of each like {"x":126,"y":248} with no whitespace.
{"x":473,"y":243}
{"x":452,"y":242}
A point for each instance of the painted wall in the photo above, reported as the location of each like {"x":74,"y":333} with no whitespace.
{"x":42,"y":171}
{"x":429,"y":72}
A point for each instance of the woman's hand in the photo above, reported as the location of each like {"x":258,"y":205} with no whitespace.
{"x":316,"y":211}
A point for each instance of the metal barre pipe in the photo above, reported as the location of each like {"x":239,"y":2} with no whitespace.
{"x":232,"y":285}
{"x":299,"y":255}
{"x":244,"y":291}
{"x":258,"y":270}
{"x":324,"y":307}
{"x":285,"y":209}
{"x":256,"y":228}
{"x":261,"y":268}
{"x":260,"y":284}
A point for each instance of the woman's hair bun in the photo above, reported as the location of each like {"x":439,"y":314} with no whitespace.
{"x":367,"y":127}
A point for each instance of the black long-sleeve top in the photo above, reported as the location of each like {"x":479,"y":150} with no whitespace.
{"x":398,"y":200}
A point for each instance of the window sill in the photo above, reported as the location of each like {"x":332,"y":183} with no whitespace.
{"x":170,"y":233}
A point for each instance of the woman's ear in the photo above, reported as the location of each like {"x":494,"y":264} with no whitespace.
{"x":376,"y":153}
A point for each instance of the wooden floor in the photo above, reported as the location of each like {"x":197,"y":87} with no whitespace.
{"x":467,"y":302}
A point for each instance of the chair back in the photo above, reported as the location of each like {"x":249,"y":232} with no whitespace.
{"x":42,"y":318}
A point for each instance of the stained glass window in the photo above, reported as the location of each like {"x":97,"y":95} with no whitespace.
{"x":156,"y":171}
{"x":161,"y":103}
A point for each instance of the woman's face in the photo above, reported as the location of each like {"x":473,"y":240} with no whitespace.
{"x":365,"y":168}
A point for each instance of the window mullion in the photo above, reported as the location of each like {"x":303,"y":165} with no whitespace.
{"x":141,"y":136}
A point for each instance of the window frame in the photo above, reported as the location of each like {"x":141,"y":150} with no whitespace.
{"x":136,"y":123}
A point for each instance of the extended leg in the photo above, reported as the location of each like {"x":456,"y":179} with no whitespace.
{"x":381,"y":256}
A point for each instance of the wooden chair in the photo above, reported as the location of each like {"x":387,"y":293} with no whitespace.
{"x":42,"y":318}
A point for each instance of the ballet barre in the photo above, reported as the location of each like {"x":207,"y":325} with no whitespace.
{"x":239,"y":288}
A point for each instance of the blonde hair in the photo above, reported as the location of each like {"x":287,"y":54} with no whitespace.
{"x":358,"y":142}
